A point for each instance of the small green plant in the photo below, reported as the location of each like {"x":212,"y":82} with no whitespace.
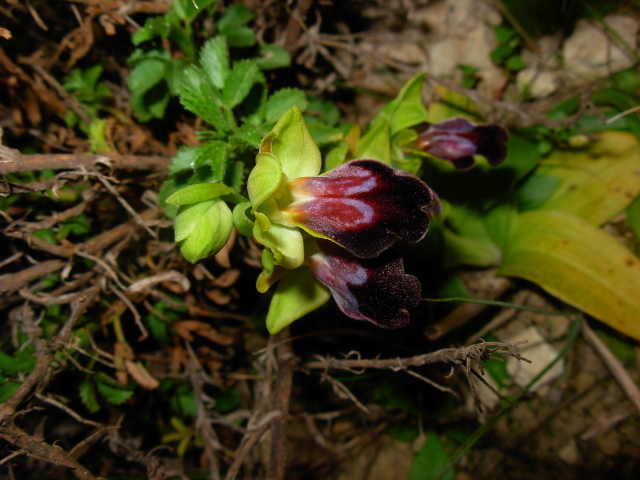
{"x":157,"y":73}
{"x":507,"y":53}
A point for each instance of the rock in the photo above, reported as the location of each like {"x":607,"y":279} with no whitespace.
{"x":569,"y":453}
{"x":537,"y":84}
{"x":540,"y":353}
{"x":592,"y":53}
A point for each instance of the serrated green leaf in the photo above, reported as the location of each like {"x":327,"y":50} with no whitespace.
{"x":323,"y":134}
{"x":197,"y":96}
{"x":580,"y":264}
{"x":153,"y":27}
{"x":272,"y":56}
{"x":298,"y":293}
{"x":597,"y":182}
{"x":114,"y":395}
{"x":215,"y":154}
{"x":87,"y":392}
{"x":146,"y":74}
{"x":283,"y":100}
{"x":184,"y":160}
{"x":214,"y":58}
{"x":248,"y":135}
{"x":22,"y":362}
{"x":239,"y":82}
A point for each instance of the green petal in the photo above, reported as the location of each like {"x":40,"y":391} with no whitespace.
{"x":285,"y":243}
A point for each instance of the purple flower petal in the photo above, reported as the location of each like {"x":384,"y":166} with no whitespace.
{"x":363,"y":205}
{"x":458,"y":140}
{"x":376,"y":290}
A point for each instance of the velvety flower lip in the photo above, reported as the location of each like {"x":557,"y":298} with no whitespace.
{"x":376,"y":289}
{"x":458,"y":140}
{"x":363,"y":205}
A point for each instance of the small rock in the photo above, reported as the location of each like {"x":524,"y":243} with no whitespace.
{"x":537,"y":84}
{"x":569,"y":453}
{"x":591,"y":53}
{"x":540,"y":353}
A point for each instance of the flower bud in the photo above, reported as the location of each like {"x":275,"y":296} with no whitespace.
{"x":203,"y":228}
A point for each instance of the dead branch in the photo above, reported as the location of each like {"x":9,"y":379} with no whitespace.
{"x":480,"y":352}
{"x":46,"y":352}
{"x":44,"y":451}
{"x":17,"y":162}
{"x":613,"y":364}
{"x":14,"y":281}
{"x":284,"y":356}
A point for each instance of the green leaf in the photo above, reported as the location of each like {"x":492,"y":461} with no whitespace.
{"x":375,"y":144}
{"x":336,"y":156}
{"x":147,"y":73}
{"x":633,"y":217}
{"x":283,"y":100}
{"x":87,"y":392}
{"x":114,"y":395}
{"x":154,"y":27}
{"x":239,"y":36}
{"x":467,"y":239}
{"x":598,"y":182}
{"x":235,"y":15}
{"x":293,"y":146}
{"x":431,"y":458}
{"x":197,"y":96}
{"x":22,"y":362}
{"x":214,"y":154}
{"x":580,"y":264}
{"x":323,"y":134}
{"x":184,"y":160}
{"x":297,"y":294}
{"x":247,"y":135}
{"x":214,"y":58}
{"x":197,"y":193}
{"x":272,"y":56}
{"x":239,"y":82}
{"x":537,"y":190}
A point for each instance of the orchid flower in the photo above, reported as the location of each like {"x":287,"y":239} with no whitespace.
{"x":457,"y":140}
{"x":340,"y":225}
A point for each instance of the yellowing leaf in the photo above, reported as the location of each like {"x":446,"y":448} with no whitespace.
{"x":580,"y":264}
{"x":598,"y":182}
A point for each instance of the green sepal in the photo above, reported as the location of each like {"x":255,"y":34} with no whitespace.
{"x":203,"y":229}
{"x":199,"y":192}
{"x":294,"y":147}
{"x":285,"y":243}
{"x":242,"y":222}
{"x":298,"y":293}
{"x":264,"y":179}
